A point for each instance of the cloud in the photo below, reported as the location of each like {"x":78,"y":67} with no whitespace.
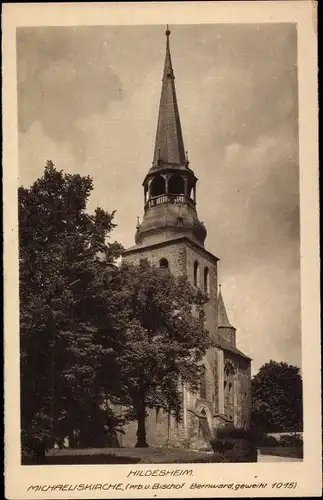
{"x":257,"y":231}
{"x":238,"y":71}
{"x":62,"y":79}
{"x":35,"y":148}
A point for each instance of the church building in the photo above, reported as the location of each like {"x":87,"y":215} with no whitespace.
{"x":171,"y":235}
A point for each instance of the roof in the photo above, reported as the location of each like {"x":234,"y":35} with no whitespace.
{"x":223,"y":321}
{"x":226,"y":346}
{"x":169,"y":145}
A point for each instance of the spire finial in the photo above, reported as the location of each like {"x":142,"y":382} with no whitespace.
{"x":169,"y":138}
{"x":167,"y":32}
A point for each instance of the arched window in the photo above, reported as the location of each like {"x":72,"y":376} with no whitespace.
{"x":158,"y":415}
{"x":176,"y":185}
{"x":145,"y":192}
{"x":163,"y":263}
{"x":202,"y":417}
{"x":190,"y":186}
{"x":203,"y":383}
{"x":206,"y":281}
{"x":196,"y":273}
{"x":157,"y":186}
{"x":228,"y":389}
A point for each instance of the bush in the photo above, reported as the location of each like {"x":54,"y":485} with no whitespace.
{"x":256,"y":435}
{"x":242,"y":451}
{"x":222,"y":445}
{"x":234,"y":444}
{"x":34,"y":447}
{"x":231,"y":433}
{"x":294,"y":440}
{"x":269,"y":441}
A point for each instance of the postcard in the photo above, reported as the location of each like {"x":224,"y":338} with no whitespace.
{"x":161,"y":250}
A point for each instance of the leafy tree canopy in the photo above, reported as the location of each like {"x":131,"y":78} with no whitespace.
{"x":277,"y":398}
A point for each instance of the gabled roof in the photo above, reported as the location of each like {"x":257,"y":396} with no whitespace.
{"x":169,"y":146}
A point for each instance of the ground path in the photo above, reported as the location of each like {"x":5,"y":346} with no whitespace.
{"x":275,"y":458}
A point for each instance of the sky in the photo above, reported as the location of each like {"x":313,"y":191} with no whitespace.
{"x":88,"y":100}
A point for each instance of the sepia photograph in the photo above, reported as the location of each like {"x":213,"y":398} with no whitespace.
{"x":159,"y":244}
{"x":144,"y":353}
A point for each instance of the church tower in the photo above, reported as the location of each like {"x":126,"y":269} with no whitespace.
{"x":171,"y":235}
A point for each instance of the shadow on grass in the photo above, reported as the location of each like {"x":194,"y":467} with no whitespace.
{"x":81,"y":460}
{"x":134,"y":456}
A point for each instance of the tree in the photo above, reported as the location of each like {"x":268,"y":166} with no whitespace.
{"x":60,"y":295}
{"x":277,"y":398}
{"x":158,"y":342}
{"x":90,"y":334}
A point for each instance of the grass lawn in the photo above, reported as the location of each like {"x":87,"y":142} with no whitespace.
{"x":128,"y":456}
{"x":282,"y":451}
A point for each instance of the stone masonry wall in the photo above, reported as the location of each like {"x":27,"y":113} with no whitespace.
{"x":195,"y":254}
{"x":228,"y":334}
{"x":175,"y":254}
{"x":238,"y":404}
{"x":244,"y":394}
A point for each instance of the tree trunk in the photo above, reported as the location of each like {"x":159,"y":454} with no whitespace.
{"x":141,"y":431}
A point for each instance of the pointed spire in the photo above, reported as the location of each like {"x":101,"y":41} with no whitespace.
{"x":223,"y":320}
{"x":169,"y":146}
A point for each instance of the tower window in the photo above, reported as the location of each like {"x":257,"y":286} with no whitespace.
{"x":176,"y":185}
{"x":163,"y":263}
{"x":196,"y":273}
{"x":157,"y":186}
{"x":206,"y":281}
{"x":203,"y":383}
